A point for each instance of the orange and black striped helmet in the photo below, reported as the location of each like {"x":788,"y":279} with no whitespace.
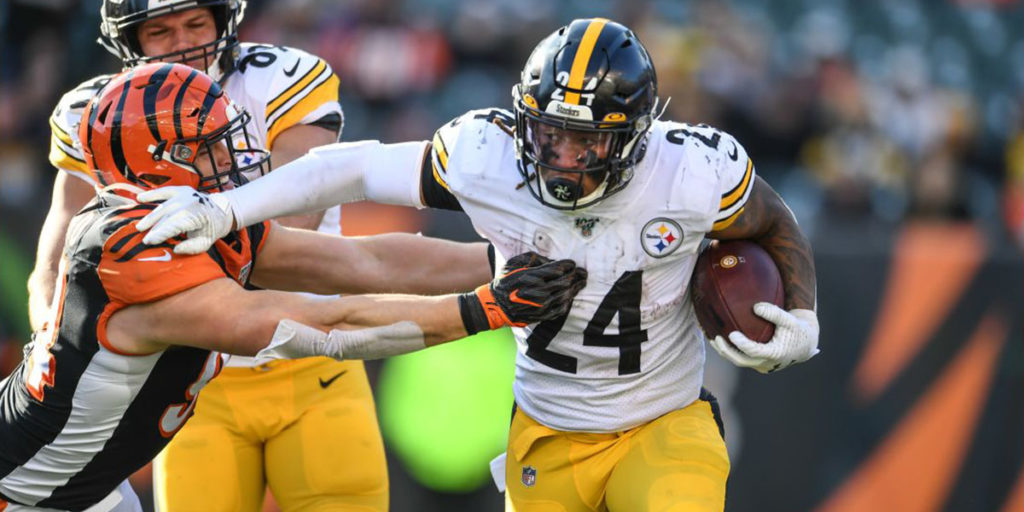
{"x":151,"y":125}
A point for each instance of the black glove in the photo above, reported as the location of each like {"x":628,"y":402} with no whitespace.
{"x":531,"y":289}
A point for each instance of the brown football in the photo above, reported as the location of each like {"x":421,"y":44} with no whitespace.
{"x":729,"y":278}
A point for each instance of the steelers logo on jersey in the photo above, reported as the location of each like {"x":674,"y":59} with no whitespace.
{"x":661,"y":236}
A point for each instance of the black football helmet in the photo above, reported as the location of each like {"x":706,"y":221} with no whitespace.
{"x":591,"y":83}
{"x":120,"y":20}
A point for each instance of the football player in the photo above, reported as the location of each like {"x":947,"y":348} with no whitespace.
{"x":610,"y":411}
{"x":237,"y":444}
{"x":137,"y":330}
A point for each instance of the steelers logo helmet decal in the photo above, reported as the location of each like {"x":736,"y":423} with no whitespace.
{"x":661,"y":236}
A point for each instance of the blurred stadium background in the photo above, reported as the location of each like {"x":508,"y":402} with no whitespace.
{"x":894,"y":129}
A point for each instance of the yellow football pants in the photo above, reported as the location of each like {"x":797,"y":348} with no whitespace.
{"x":307,"y":428}
{"x":676,"y":463}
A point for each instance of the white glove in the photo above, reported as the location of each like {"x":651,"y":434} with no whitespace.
{"x":795,"y":340}
{"x":203,"y":218}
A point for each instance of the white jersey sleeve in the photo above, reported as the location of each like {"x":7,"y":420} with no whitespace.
{"x":736,"y":177}
{"x":465,"y":149}
{"x":714,"y":162}
{"x":283,"y":87}
{"x":65,"y":148}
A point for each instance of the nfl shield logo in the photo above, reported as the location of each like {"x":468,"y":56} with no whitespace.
{"x":529,"y":476}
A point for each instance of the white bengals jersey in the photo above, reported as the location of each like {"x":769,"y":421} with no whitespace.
{"x":279,"y":86}
{"x":630,"y":349}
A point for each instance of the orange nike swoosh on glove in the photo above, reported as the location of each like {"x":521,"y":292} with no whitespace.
{"x":514,"y":297}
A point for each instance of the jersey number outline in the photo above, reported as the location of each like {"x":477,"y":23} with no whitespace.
{"x":679,"y":135}
{"x":624,"y":299}
{"x":175,"y":416}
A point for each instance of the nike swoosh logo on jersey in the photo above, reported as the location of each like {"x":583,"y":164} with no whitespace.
{"x":165,"y":257}
{"x":734,"y":153}
{"x":291,"y":72}
{"x":328,"y":382}
{"x":514,"y":297}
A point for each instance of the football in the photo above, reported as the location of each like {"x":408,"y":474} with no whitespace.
{"x":729,"y":278}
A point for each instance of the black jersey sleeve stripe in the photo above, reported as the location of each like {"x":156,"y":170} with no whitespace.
{"x":293,"y":89}
{"x":218,"y":259}
{"x":69,"y":155}
{"x":435,"y":195}
{"x":118,"y":245}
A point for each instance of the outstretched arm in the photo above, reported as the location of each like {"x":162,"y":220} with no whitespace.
{"x":300,"y":260}
{"x":221,"y":315}
{"x":291,"y":144}
{"x":326,"y":176}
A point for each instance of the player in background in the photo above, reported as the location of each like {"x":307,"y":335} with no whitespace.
{"x":248,"y":432}
{"x":610,"y":409}
{"x":136,"y":331}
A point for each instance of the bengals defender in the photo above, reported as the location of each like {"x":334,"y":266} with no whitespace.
{"x":237,"y":444}
{"x":611,"y":414}
{"x":137,"y":331}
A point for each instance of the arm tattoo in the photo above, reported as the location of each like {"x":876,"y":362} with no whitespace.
{"x":767,"y":221}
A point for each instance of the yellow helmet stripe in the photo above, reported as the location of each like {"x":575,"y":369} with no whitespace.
{"x":582,"y":58}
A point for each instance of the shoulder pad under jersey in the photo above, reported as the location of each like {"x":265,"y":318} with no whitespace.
{"x":65,"y":148}
{"x":289,"y":85}
{"x":479,"y":123}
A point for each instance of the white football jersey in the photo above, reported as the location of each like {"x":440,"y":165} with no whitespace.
{"x":630,"y":349}
{"x":280,"y":87}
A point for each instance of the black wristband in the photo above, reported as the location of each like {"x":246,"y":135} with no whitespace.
{"x":473,"y":317}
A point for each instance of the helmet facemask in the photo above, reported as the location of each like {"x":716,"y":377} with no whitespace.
{"x":583,"y":108}
{"x":120,"y":36}
{"x":573,"y":163}
{"x":247,"y":162}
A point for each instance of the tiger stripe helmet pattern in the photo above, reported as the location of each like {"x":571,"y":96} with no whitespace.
{"x":149,"y":125}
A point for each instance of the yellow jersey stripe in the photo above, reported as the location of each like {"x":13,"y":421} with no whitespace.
{"x":729,"y":198}
{"x":324,"y":93}
{"x":60,"y":133}
{"x":726,"y":222}
{"x":437,"y":176}
{"x":579,"y":63}
{"x":64,"y":160}
{"x":442,"y":152}
{"x":289,"y":93}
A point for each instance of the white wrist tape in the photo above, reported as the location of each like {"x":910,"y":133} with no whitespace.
{"x":294,"y":340}
{"x":377,"y":342}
